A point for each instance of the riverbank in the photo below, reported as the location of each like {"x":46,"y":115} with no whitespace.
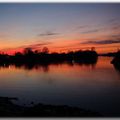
{"x":9,"y":109}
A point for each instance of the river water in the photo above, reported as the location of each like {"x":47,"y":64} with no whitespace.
{"x":94,"y":87}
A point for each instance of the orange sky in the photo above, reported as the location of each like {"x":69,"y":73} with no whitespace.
{"x":65,"y":46}
{"x":60,"y":27}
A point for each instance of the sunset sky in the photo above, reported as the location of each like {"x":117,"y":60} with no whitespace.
{"x":60,"y":27}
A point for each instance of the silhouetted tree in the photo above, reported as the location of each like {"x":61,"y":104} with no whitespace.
{"x":92,"y":48}
{"x":28,"y":51}
{"x":45,"y":50}
{"x":18,"y":54}
{"x":31,"y":58}
{"x":36,"y":52}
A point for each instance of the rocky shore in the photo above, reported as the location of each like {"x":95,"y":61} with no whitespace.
{"x":9,"y":109}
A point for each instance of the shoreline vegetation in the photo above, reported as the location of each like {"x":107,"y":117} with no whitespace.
{"x":9,"y":109}
{"x":32,"y":58}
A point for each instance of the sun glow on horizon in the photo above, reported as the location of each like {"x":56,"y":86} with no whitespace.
{"x":60,"y":27}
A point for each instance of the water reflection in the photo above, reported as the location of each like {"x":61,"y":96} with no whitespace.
{"x":117,"y":68}
{"x":45,"y":66}
{"x":93,"y":86}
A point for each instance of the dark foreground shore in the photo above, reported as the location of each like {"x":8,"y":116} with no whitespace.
{"x":9,"y":109}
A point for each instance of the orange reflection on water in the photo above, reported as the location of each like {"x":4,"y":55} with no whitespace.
{"x":65,"y":74}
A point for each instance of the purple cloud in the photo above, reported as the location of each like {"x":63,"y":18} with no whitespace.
{"x":48,"y":33}
{"x":102,"y":42}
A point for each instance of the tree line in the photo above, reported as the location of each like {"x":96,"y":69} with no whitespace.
{"x":28,"y":56}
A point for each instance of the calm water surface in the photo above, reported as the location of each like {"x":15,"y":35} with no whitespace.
{"x":93,"y":87}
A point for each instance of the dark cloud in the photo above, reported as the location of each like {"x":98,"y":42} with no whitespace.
{"x":39,"y":44}
{"x":35,"y":46}
{"x":115,"y":27}
{"x":82,"y":26}
{"x":111,"y":20}
{"x":90,"y":31}
{"x":116,"y":36}
{"x":102,"y":42}
{"x":32,"y":46}
{"x":114,"y":23}
{"x":48,"y":33}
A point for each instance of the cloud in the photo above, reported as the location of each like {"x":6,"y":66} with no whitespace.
{"x":111,"y":20}
{"x":90,"y":31}
{"x":82,"y":27}
{"x":115,"y":36}
{"x":115,"y":27}
{"x":114,"y":23}
{"x":35,"y":46}
{"x":102,"y":42}
{"x":48,"y":33}
{"x":32,"y":46}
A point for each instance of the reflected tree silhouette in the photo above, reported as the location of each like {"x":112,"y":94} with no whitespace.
{"x":116,"y":61}
{"x":117,"y":68}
